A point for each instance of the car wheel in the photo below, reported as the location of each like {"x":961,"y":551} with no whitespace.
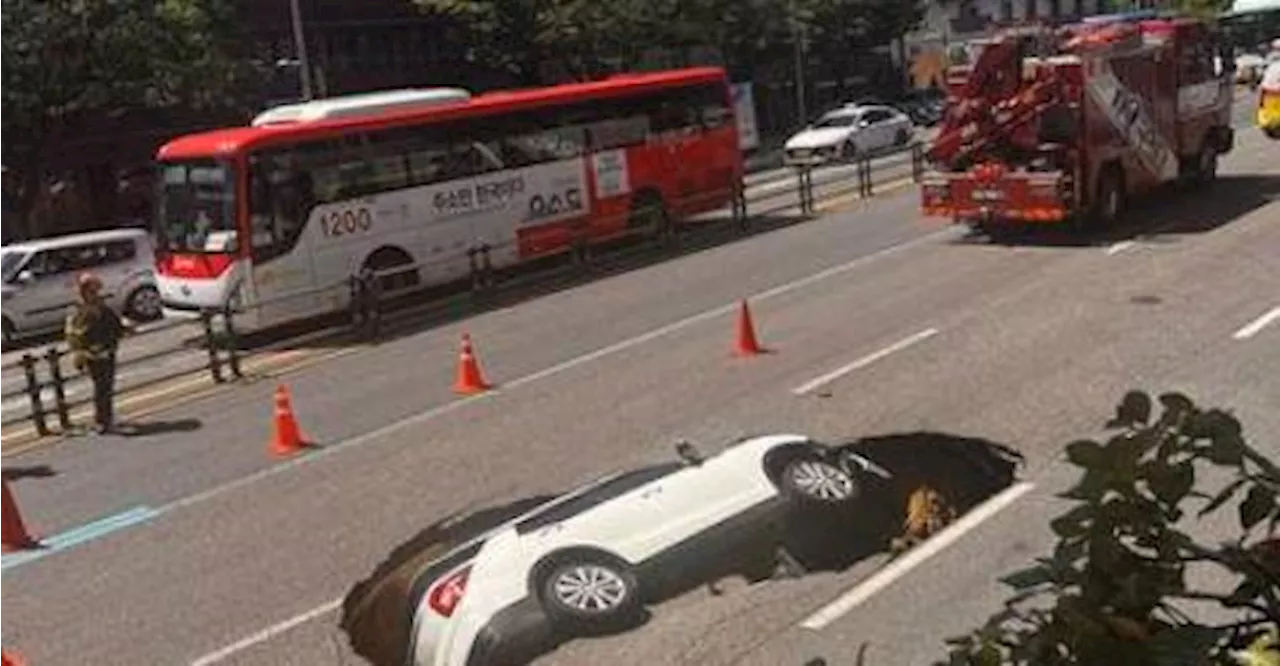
{"x":589,"y":591}
{"x":816,"y":481}
{"x":144,"y":304}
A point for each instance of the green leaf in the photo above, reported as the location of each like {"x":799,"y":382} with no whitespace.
{"x":1225,"y":450}
{"x":1133,"y":410}
{"x":1263,"y":651}
{"x":1222,"y":497}
{"x":1090,"y":488}
{"x":1248,"y":590}
{"x":987,"y":656}
{"x":1029,"y":577}
{"x":1072,"y":523}
{"x":1172,"y":483}
{"x":1176,"y":407}
{"x":1183,"y":646}
{"x":1085,"y":453}
{"x":1257,"y":506}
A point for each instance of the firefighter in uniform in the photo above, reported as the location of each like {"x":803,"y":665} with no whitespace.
{"x":93,"y":332}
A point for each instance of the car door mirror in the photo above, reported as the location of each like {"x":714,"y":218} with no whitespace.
{"x":25,"y":277}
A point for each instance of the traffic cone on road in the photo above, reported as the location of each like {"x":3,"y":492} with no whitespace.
{"x":9,"y":658}
{"x":747,"y":344}
{"x":470,"y":380}
{"x":288,"y":438}
{"x":15,"y":532}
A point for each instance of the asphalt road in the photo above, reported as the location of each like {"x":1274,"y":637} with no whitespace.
{"x":167,"y":349}
{"x":1031,"y":346}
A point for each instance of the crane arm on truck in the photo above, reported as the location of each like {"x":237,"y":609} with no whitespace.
{"x":997,"y":106}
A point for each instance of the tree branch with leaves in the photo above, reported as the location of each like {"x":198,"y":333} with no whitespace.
{"x":68,"y":62}
{"x":1115,"y":589}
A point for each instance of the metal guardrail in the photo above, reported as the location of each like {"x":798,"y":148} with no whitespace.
{"x":369,"y":304}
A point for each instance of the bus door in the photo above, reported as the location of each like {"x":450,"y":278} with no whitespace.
{"x":281,"y":281}
{"x":677,"y":124}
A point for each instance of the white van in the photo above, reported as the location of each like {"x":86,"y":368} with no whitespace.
{"x":39,"y":278}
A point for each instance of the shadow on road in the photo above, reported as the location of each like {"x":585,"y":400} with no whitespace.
{"x":149,"y":428}
{"x":410,"y":315}
{"x":29,"y":472}
{"x":378,"y":613}
{"x":1160,"y":216}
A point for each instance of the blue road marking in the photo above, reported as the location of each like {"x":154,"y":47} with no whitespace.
{"x":78,"y":535}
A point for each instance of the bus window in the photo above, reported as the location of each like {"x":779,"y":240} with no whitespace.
{"x":281,"y":196}
{"x":388,"y":168}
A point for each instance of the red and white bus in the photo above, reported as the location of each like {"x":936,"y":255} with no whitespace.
{"x":248,"y":216}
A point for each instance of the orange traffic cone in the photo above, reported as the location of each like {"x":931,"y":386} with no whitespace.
{"x":470,"y":380}
{"x":288,"y":438}
{"x":747,"y":345}
{"x":15,"y":534}
{"x":8,"y":658}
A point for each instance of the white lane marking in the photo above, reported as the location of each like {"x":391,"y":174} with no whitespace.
{"x":1117,"y":248}
{"x":903,"y":565}
{"x":267,"y":634}
{"x":1258,"y":324}
{"x":276,"y":629}
{"x":864,"y":361}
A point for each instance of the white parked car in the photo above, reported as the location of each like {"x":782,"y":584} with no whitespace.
{"x":849,"y":132}
{"x":39,"y":278}
{"x":479,"y":589}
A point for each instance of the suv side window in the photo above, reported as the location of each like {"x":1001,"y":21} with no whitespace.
{"x":120,"y":251}
{"x":47,"y":262}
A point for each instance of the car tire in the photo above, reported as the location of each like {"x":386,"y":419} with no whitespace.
{"x":144,"y":304}
{"x":813,"y":480}
{"x":1109,"y":204}
{"x":584,"y":592}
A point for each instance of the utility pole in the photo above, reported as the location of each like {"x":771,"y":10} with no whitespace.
{"x":300,"y":45}
{"x":798,"y":39}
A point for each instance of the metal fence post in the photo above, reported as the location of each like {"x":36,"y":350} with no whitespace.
{"x":54,"y":358}
{"x":372,"y":289}
{"x":473,"y":263}
{"x":739,"y":206}
{"x":211,"y":343}
{"x":864,"y":178}
{"x":486,"y":266}
{"x":233,"y":344}
{"x":33,"y":393}
{"x":917,"y":162}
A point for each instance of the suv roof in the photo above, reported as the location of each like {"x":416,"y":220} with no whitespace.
{"x":78,"y":239}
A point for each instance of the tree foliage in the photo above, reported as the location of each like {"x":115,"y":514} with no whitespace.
{"x":70,"y":62}
{"x":517,"y":35}
{"x":1115,"y":589}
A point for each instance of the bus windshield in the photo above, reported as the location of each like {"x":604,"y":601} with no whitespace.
{"x":197,"y":208}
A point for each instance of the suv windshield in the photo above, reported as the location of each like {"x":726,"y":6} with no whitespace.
{"x":196,"y":207}
{"x":9,"y":263}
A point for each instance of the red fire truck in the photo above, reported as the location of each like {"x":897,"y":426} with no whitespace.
{"x":1068,"y":124}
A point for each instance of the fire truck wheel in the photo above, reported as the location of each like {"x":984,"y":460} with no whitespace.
{"x":1206,"y":166}
{"x":1110,"y":199}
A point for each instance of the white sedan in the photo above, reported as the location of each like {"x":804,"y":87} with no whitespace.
{"x":484,"y":588}
{"x":849,"y":132}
